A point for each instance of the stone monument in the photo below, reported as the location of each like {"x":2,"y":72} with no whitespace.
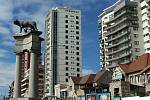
{"x":27,"y":40}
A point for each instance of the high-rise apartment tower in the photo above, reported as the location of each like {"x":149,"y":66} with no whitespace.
{"x":145,"y":18}
{"x":120,"y":33}
{"x":63,"y":52}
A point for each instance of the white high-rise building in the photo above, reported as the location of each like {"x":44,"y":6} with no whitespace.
{"x":63,"y":51}
{"x":121,"y":34}
{"x":145,"y":17}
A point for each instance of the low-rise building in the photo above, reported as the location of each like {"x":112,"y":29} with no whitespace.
{"x":132,"y":79}
{"x":80,"y":88}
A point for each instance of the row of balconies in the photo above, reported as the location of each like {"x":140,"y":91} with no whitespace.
{"x":116,"y":16}
{"x":116,"y":30}
{"x":119,"y":49}
{"x":119,"y":56}
{"x":117,"y":36}
{"x":116,"y":23}
{"x":118,"y":43}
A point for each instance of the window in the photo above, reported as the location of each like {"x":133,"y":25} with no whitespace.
{"x":77,"y":37}
{"x":66,"y":36}
{"x":67,"y":74}
{"x":136,"y":35}
{"x":77,"y":43}
{"x":78,"y":59}
{"x":147,"y":34}
{"x":72,"y":46}
{"x":66,"y":52}
{"x":72,"y":42}
{"x":66,"y":16}
{"x":137,"y":49}
{"x":143,"y":7}
{"x":77,"y":53}
{"x":66,"y":26}
{"x":77,"y":32}
{"x":77,"y":48}
{"x":66,"y":31}
{"x":135,"y":28}
{"x":77,"y":27}
{"x":67,"y":68}
{"x":66,"y":58}
{"x":66,"y":42}
{"x":116,"y":91}
{"x":66,"y":47}
{"x":78,"y":75}
{"x":136,"y":42}
{"x":67,"y":63}
{"x":72,"y":21}
{"x":66,"y":21}
{"x":72,"y":26}
{"x":77,"y":22}
{"x":78,"y":69}
{"x":72,"y":52}
{"x":72,"y":62}
{"x":40,"y":76}
{"x":66,"y":79}
{"x":78,"y":64}
{"x":77,"y":17}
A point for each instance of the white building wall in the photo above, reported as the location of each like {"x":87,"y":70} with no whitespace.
{"x":145,"y":24}
{"x":74,"y":66}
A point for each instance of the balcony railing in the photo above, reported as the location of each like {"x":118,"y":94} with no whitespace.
{"x":116,"y":30}
{"x":120,"y":49}
{"x":117,"y":36}
{"x":119,"y":57}
{"x":116,"y":23}
{"x":118,"y":43}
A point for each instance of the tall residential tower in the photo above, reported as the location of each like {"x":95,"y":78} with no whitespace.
{"x":145,"y":17}
{"x":120,"y":33}
{"x":63,"y":52}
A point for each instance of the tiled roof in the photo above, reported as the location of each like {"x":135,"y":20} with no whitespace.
{"x":76,"y":80}
{"x":137,"y":65}
{"x":88,"y":79}
{"x":99,"y":75}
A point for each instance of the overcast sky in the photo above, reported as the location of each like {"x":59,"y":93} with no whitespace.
{"x":36,"y":10}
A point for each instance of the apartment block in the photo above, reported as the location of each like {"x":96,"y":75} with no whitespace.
{"x":63,"y":50}
{"x":145,"y":18}
{"x":121,"y":38}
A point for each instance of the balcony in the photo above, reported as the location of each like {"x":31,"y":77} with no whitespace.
{"x":119,"y":57}
{"x":120,"y":49}
{"x":118,"y":43}
{"x":118,"y":36}
{"x":116,"y":30}
{"x":116,"y":23}
{"x":117,"y":16}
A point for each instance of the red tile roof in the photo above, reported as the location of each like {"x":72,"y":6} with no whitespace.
{"x":137,"y":65}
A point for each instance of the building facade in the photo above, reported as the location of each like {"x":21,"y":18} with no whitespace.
{"x":120,"y":33}
{"x":63,"y":56}
{"x":145,"y":17}
{"x":132,"y":79}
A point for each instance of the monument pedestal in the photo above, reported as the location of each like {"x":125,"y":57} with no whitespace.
{"x":24,"y":99}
